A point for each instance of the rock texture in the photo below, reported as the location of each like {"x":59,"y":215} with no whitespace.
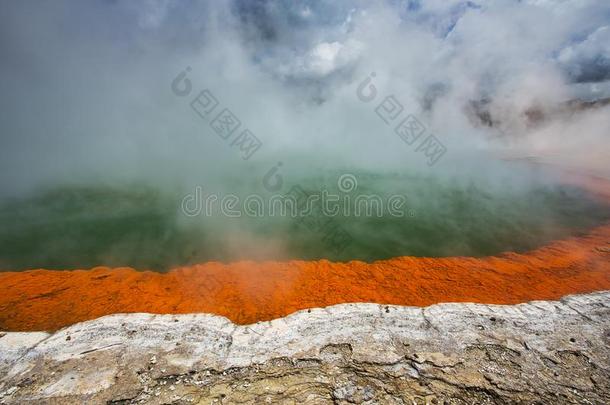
{"x":541,"y":352}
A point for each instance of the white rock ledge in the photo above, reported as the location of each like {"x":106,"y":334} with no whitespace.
{"x":540,"y":352}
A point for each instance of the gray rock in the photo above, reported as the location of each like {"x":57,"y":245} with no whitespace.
{"x":540,"y":352}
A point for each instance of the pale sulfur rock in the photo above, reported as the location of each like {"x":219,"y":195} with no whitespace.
{"x":543,"y":351}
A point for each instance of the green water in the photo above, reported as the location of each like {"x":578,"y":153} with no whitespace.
{"x":143,"y":227}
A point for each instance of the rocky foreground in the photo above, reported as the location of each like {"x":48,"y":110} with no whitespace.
{"x":541,"y":352}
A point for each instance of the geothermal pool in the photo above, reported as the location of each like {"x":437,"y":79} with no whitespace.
{"x":457,"y":242}
{"x":141,"y":226}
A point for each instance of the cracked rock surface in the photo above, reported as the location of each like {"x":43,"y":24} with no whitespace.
{"x":541,"y":352}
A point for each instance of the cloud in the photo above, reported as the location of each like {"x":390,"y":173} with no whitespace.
{"x":589,"y":60}
{"x":87,"y":85}
{"x":321,"y":60}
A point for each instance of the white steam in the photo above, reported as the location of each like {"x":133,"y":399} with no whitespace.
{"x":86,"y":86}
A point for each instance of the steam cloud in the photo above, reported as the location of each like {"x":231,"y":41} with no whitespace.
{"x":86,"y":88}
{"x":86,"y":84}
